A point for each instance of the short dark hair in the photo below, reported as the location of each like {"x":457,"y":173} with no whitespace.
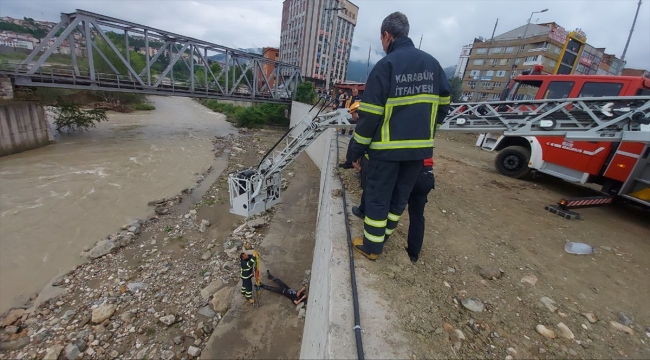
{"x":396,"y":24}
{"x":241,"y":256}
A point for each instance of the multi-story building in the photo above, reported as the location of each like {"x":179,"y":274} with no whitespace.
{"x":267,"y":68}
{"x":493,"y":62}
{"x":462,"y":60}
{"x":318,"y":38}
{"x":610,"y":65}
{"x":590,"y":60}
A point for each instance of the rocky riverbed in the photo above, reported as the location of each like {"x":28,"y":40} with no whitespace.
{"x":157,"y":288}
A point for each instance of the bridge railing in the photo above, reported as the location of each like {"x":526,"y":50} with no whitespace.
{"x":91,"y":51}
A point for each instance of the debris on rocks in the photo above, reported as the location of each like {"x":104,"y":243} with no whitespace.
{"x":473,"y":304}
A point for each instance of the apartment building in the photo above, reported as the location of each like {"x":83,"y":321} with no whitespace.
{"x":318,"y":38}
{"x":463,"y":59}
{"x":270,"y":53}
{"x":589,"y":61}
{"x":610,"y":65}
{"x":493,"y":62}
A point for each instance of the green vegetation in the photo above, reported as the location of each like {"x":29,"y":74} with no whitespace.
{"x":250,"y":117}
{"x":70,"y":116}
{"x":456,"y":88}
{"x":34,"y":29}
{"x":306,"y":93}
{"x":142,"y":106}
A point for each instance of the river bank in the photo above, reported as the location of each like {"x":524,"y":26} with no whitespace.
{"x":156,"y":289}
{"x":69,"y":194}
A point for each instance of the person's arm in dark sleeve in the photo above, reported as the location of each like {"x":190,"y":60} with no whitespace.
{"x":371,"y":109}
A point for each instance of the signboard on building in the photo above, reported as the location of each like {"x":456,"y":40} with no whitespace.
{"x":558,"y":34}
{"x":578,"y":33}
{"x":585,"y":61}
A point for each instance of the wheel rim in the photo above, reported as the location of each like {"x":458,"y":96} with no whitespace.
{"x":512,"y":162}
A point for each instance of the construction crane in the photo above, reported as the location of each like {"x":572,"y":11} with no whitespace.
{"x":615,"y":119}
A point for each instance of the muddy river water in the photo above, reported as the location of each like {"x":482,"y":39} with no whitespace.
{"x":57,"y":199}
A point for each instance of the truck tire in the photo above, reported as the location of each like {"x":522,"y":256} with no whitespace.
{"x":513,"y":162}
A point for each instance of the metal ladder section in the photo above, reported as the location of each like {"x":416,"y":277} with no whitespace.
{"x":639,"y":178}
{"x":308,"y":131}
{"x":582,"y":119}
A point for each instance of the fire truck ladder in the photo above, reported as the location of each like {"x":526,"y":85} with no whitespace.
{"x":583,"y":119}
{"x":615,"y":119}
{"x":257,"y":189}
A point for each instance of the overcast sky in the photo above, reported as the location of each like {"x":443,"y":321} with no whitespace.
{"x":445,"y":24}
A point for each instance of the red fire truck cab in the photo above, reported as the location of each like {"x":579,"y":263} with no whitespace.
{"x":608,"y":164}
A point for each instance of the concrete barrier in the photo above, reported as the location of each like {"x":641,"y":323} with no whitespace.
{"x":328,"y":331}
{"x":329,"y":326}
{"x":23,"y":126}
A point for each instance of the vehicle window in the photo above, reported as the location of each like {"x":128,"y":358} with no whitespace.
{"x":558,"y":90}
{"x":592,"y":89}
{"x":643,"y":92}
{"x":524,"y":90}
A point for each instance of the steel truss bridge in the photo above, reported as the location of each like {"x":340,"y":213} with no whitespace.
{"x":242,"y":75}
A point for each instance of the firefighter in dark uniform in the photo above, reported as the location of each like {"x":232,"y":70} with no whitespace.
{"x":247,"y":269}
{"x":396,"y":127}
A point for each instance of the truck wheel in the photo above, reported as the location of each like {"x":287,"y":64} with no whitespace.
{"x":513,"y":162}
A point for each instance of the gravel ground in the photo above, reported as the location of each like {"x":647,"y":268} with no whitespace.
{"x":493,"y":280}
{"x":155,"y":289}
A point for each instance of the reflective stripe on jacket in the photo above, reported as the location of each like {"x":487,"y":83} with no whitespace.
{"x":406,"y":94}
{"x":247,"y":267}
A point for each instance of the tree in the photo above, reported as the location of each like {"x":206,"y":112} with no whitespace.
{"x":305,"y":92}
{"x":70,"y":116}
{"x":456,"y":89}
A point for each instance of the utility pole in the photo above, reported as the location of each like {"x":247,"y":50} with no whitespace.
{"x":330,"y":62}
{"x":487,"y":53}
{"x":629,"y":37}
{"x":368,"y":64}
{"x":420,"y":40}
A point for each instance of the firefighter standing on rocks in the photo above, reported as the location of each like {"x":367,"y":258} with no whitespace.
{"x":397,"y":121}
{"x":247,"y":263}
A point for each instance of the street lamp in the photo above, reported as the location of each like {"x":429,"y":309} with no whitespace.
{"x":530,"y":18}
{"x":330,"y":67}
{"x":524,"y":36}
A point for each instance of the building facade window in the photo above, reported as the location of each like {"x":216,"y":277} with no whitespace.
{"x":481,"y":51}
{"x":521,"y":48}
{"x":475,"y":73}
{"x":504,"y":61}
{"x":494,"y":61}
{"x":478,"y":62}
{"x":501,"y":73}
{"x":489,"y":73}
{"x":495,"y":50}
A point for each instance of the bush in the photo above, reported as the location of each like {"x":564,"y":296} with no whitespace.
{"x":70,"y":116}
{"x":142,"y":107}
{"x":252,"y":117}
{"x":306,"y":93}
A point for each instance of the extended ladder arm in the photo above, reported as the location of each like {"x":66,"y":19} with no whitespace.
{"x":581,"y":119}
{"x":257,"y":189}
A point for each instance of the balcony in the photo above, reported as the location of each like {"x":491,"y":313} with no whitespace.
{"x":533,"y":62}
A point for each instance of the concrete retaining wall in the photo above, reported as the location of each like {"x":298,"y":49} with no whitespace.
{"x":328,"y":331}
{"x":23,"y":126}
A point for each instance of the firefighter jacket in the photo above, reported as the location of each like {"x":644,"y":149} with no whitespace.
{"x":248,"y":267}
{"x":406,"y":94}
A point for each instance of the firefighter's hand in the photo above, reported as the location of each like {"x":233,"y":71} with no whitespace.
{"x":357,"y":165}
{"x":355,"y":116}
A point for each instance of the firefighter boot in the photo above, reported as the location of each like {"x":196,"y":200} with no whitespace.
{"x":251,"y":301}
{"x":357,"y":243}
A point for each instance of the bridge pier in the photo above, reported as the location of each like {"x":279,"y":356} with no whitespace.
{"x":23,"y":126}
{"x":6,"y":88}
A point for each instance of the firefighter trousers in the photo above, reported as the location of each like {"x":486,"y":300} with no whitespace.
{"x":387,"y":190}
{"x":417,"y":201}
{"x":247,"y":287}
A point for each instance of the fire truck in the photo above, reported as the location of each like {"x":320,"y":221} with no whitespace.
{"x":620,"y":167}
